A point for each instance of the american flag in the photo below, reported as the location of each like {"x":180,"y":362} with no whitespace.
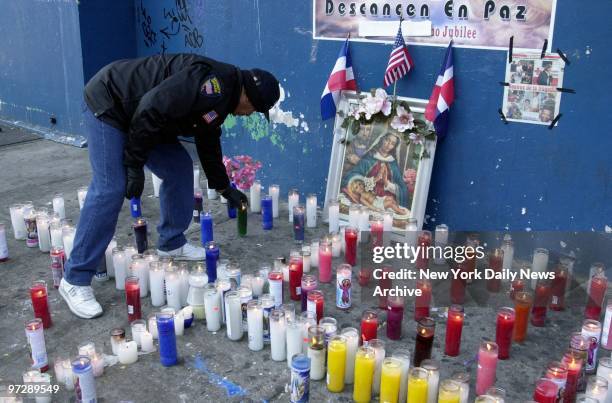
{"x":400,"y":61}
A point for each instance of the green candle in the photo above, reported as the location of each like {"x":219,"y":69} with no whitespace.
{"x":242,"y":220}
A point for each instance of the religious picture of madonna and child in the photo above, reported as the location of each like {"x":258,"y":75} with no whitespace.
{"x":379,"y":172}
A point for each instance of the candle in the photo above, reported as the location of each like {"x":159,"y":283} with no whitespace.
{"x":597,"y":292}
{"x":289,"y":310}
{"x":117,"y":337}
{"x":433,"y":379}
{"x":19,"y":229}
{"x":206,"y":228}
{"x":539,"y":263}
{"x":292,"y":201}
{"x":365,"y":361}
{"x":308,"y":283}
{"x":422,"y":302}
{"x":417,"y":385}
{"x":183,"y":274}
{"x":423,"y":242}
{"x":58,"y":369}
{"x":333,"y":215}
{"x":351,"y":336}
{"x":68,"y":233}
{"x":293,"y":338}
{"x":132,"y":295}
{"x":496,"y":257}
{"x":55,"y":230}
{"x":81,"y":195}
{"x":579,"y":345}
{"x":596,"y":270}
{"x":307,"y":319}
{"x":196,"y":175}
{"x":57,"y":265}
{"x":379,"y":350}
{"x":296,"y":270}
{"x":449,"y":392}
{"x":255,"y":325}
{"x":540,"y":303}
{"x":336,"y":244}
{"x":128,"y":352}
{"x":306,"y":258}
{"x":377,"y":230}
{"x":454,"y":327}
{"x":441,"y":241}
{"x":167,"y":339}
{"x":558,"y":287}
{"x":40,"y":302}
{"x":267,"y":220}
{"x":522,"y":306}
{"x":508,"y":249}
{"x":424,"y":340}
{"x":395,"y":315}
{"x":591,"y":329}
{"x":83,"y":370}
{"x":557,"y":372}
{"x":4,"y":253}
{"x":604,"y":370}
{"x":300,"y":379}
{"x":31,"y":229}
{"x":325,"y":259}
{"x":311,"y":210}
{"x":487,"y":366}
{"x":233,"y":274}
{"x":364,"y":221}
{"x":472,"y":241}
{"x":275,"y":281}
{"x":242,"y":220}
{"x":255,"y":196}
{"x":173,"y":287}
{"x":212,"y":307}
{"x":354,"y":214}
{"x":120,"y":268}
{"x":146,"y":342}
{"x":245,"y":296}
{"x":97,"y":363}
{"x":36,"y":342}
{"x":343,"y":286}
{"x":503,"y":331}
{"x":597,"y":388}
{"x":44,"y":236}
{"x":336,"y":363}
{"x":316,"y":352}
{"x":314,"y":253}
{"x":274,"y":192}
{"x":350,"y":238}
{"x":140,"y":268}
{"x":152,"y":323}
{"x":156,"y":278}
{"x":140,"y":234}
{"x":606,"y":339}
{"x":233,"y":315}
{"x":391,"y":375}
{"x":138,"y":327}
{"x":298,"y":222}
{"x":315,"y":303}
{"x":573,"y":362}
{"x":369,"y":325}
{"x":212,"y":256}
{"x":58,"y":206}
{"x":463,"y":380}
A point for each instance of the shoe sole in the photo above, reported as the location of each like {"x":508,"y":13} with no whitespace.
{"x":63,"y":294}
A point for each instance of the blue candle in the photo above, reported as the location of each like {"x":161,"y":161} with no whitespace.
{"x":266,"y":213}
{"x":167,"y":338}
{"x":206,"y":228}
{"x":212,"y":256}
{"x":86,"y":384}
{"x":298,"y":223}
{"x":231,"y":211}
{"x":135,"y":208}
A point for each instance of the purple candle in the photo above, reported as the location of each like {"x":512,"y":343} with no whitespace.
{"x":309,"y":283}
{"x":395,"y":314}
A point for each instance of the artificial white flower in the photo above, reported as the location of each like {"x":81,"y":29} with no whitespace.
{"x":403,"y":120}
{"x":416,"y":138}
{"x":386,"y":104}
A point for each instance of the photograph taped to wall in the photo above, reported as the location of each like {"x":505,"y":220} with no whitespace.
{"x":377,"y":169}
{"x":532,"y":96}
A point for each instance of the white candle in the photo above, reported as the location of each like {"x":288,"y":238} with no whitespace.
{"x":306,"y":259}
{"x":173,"y":290}
{"x":354,"y":214}
{"x":19,"y":229}
{"x":294,"y":339}
{"x":463,"y":379}
{"x":508,"y":248}
{"x":255,"y":325}
{"x":152,"y":324}
{"x":81,"y":195}
{"x":539,"y":263}
{"x":88,"y":349}
{"x":44,"y":236}
{"x":233,"y":315}
{"x":55,"y":229}
{"x":333,"y":216}
{"x":128,"y":352}
{"x":140,"y":269}
{"x":307,"y":319}
{"x":293,"y":200}
{"x":179,"y":323}
{"x":604,"y":370}
{"x":388,"y":225}
{"x":364,"y":219}
{"x":120,"y":268}
{"x":246,"y":294}
{"x":68,"y":233}
{"x":69,"y":378}
{"x":352,"y":343}
{"x":441,"y":240}
{"x":597,"y":388}
{"x":97,"y":364}
{"x":278,"y":335}
{"x":156,"y":278}
{"x":58,"y":206}
{"x":212,"y":307}
{"x":108,"y":257}
{"x":255,"y":197}
{"x":379,"y":349}
{"x":317,"y":363}
{"x":257,"y":284}
{"x":336,"y":244}
{"x":156,"y":184}
{"x":404,"y":358}
{"x":274,"y":192}
{"x":343,"y":239}
{"x":196,"y":175}
{"x":138,"y":327}
{"x":183,"y":282}
{"x":314,"y":253}
{"x":311,"y":211}
{"x":130,"y":251}
{"x":411,"y":232}
{"x":433,"y":369}
{"x":146,"y":342}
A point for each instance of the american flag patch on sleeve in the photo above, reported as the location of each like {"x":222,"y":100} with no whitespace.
{"x":210,"y":116}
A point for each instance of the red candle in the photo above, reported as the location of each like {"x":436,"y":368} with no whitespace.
{"x":559,"y":284}
{"x":364,"y":276}
{"x":574,"y":367}
{"x":315,"y":303}
{"x":296,"y":270}
{"x":517,"y":285}
{"x":350,"y":250}
{"x":377,"y":230}
{"x":395,"y":314}
{"x":422,"y":302}
{"x":540,"y":303}
{"x":369,"y":325}
{"x":40,"y":302}
{"x":496,"y":258}
{"x":557,"y":372}
{"x":132,"y":296}
{"x":546,"y":391}
{"x":597,"y":292}
{"x":503,"y":331}
{"x":423,"y":242}
{"x":457,"y":287}
{"x":454,"y":326}
{"x":385,"y":284}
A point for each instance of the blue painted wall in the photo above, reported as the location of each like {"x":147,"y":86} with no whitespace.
{"x":41,"y":73}
{"x":487,"y":175}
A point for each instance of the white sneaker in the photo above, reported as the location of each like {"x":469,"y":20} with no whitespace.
{"x":80,"y":300}
{"x":185,"y":252}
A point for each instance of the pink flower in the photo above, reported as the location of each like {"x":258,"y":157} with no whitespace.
{"x":403,"y":120}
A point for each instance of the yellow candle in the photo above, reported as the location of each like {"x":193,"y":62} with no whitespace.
{"x":336,"y":362}
{"x":417,"y":385}
{"x":450,"y":392}
{"x":390,"y":380}
{"x":365,"y":360}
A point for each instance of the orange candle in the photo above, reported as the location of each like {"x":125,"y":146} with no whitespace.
{"x":522,"y":305}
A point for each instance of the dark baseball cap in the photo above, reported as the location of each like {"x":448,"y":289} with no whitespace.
{"x":262,"y":89}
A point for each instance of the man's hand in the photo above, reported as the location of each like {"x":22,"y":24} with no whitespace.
{"x":134,"y":182}
{"x":234,"y":197}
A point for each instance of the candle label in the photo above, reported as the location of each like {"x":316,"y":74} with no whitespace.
{"x":606,"y":329}
{"x":343,"y":290}
{"x":85,"y":386}
{"x":31,"y":232}
{"x":300,"y":385}
{"x":593,"y":338}
{"x":3,"y":245}
{"x":38,"y":351}
{"x":311,"y":306}
{"x":130,"y":309}
{"x":266,"y":323}
{"x":276,"y":290}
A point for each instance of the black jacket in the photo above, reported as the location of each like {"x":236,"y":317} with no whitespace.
{"x":155,"y":99}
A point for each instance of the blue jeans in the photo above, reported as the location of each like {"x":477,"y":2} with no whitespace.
{"x":106,"y":194}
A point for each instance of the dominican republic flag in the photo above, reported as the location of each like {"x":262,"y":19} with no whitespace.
{"x":400,"y":61}
{"x":341,"y":78}
{"x":442,"y":96}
